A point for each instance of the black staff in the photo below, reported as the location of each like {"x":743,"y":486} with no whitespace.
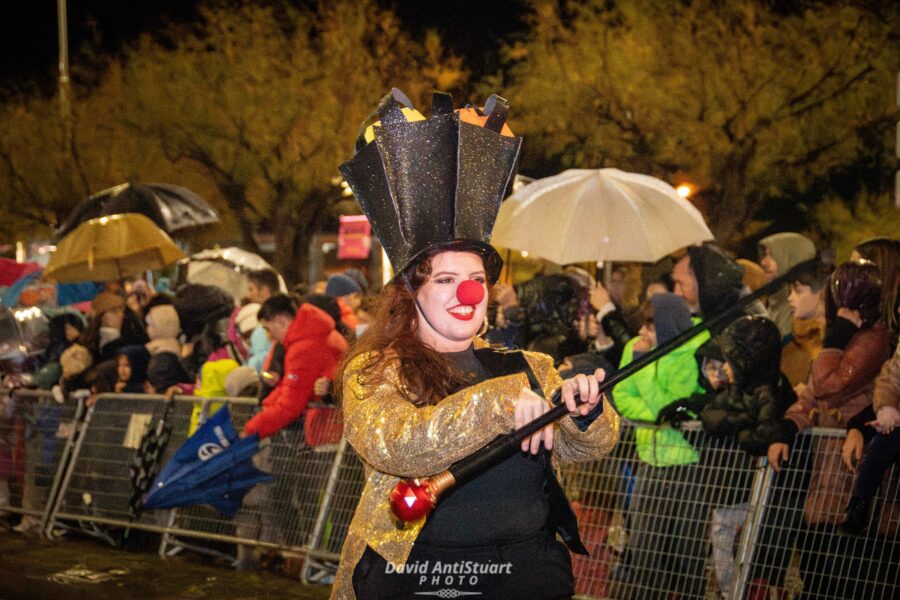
{"x":413,"y":499}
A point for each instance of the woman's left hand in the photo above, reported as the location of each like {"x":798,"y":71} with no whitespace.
{"x":587,"y":389}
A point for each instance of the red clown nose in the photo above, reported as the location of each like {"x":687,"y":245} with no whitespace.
{"x":470,"y":292}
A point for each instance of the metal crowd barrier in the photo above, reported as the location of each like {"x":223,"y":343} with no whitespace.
{"x":36,"y":435}
{"x":680,"y":515}
{"x":720,"y":524}
{"x":295,"y":512}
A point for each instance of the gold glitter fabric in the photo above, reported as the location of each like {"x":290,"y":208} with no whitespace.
{"x":396,"y":440}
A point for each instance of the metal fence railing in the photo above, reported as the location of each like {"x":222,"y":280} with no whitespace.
{"x":36,"y":434}
{"x":646,"y":512}
{"x":717,"y":523}
{"x":295,"y":512}
{"x":668,"y":514}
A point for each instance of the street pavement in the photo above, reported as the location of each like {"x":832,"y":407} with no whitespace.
{"x":33,"y":568}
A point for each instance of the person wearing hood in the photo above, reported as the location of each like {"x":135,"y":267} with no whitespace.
{"x":313,"y":349}
{"x":662,"y":508}
{"x":164,"y":371}
{"x":213,"y":374}
{"x":778,"y":254}
{"x":643,"y":395}
{"x":751,"y":407}
{"x":710,"y":282}
{"x":163,"y":329}
{"x":65,"y":329}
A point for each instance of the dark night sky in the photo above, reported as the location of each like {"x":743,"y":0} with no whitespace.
{"x":28,"y":29}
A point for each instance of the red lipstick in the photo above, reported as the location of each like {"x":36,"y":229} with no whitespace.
{"x":463,"y":317}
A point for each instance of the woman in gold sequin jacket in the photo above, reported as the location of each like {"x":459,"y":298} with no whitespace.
{"x":419,"y":392}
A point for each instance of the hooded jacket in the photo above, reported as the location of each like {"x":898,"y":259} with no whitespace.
{"x":163,"y":329}
{"x":719,"y":279}
{"x":313,"y":349}
{"x":788,"y":250}
{"x":674,"y":376}
{"x":165,"y":370}
{"x":751,"y":409}
{"x":212,"y":385}
{"x":58,"y":339}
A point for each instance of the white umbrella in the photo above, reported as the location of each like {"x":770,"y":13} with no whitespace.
{"x":226,"y":268}
{"x":584,"y":215}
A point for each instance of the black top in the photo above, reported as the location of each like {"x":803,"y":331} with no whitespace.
{"x":506,"y":502}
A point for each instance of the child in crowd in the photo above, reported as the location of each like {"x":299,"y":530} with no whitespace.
{"x":883,"y":451}
{"x":842,"y":377}
{"x":132,"y":369}
{"x":840,"y":385}
{"x":165,"y":370}
{"x":642,"y":396}
{"x":752,"y":405}
{"x":806,"y":300}
{"x":163,"y":329}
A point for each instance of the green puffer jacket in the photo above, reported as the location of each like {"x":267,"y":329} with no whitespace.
{"x":644,"y":394}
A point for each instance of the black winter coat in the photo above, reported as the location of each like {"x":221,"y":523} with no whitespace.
{"x":754,"y":418}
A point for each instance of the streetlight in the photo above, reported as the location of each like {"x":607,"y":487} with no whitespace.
{"x":684,"y":190}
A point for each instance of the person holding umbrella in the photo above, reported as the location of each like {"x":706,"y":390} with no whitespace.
{"x":418,"y":396}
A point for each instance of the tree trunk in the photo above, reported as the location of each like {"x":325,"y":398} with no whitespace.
{"x":734,"y":205}
{"x":236,"y":198}
{"x":295,"y":223}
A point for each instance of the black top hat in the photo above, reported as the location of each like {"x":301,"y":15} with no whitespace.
{"x":436,"y":183}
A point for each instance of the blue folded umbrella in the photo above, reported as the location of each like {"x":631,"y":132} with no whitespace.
{"x":214,"y":466}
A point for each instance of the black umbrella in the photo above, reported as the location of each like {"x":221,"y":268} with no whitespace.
{"x":171,"y":207}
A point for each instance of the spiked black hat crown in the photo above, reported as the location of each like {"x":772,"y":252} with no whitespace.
{"x":434,"y":183}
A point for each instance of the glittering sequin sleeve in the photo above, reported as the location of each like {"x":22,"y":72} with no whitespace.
{"x":396,"y":437}
{"x":570,"y":443}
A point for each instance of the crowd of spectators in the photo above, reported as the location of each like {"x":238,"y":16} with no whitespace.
{"x":817,"y":352}
{"x":200,"y":341}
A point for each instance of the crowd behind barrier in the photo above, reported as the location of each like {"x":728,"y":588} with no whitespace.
{"x":724,"y":526}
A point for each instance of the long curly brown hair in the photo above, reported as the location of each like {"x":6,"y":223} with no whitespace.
{"x":425,"y":376}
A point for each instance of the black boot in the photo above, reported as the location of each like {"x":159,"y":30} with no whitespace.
{"x":857,"y":516}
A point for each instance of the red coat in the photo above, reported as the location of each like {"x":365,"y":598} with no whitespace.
{"x":313,"y":349}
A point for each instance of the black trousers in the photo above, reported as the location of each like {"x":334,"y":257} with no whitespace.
{"x":883,"y":452}
{"x":537,"y":567}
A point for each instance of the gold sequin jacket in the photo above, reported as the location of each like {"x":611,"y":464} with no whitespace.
{"x":397,"y":440}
